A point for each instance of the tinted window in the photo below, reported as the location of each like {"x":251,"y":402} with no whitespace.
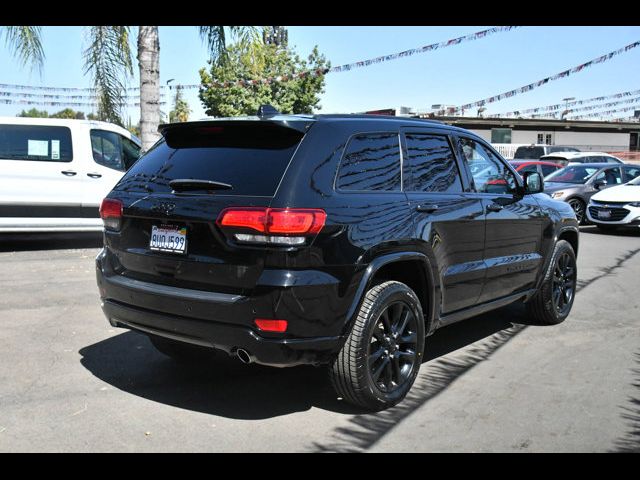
{"x":250,"y":156}
{"x":529,"y":153}
{"x":107,"y":149}
{"x":130,"y":152}
{"x":371,"y":162}
{"x":35,"y":142}
{"x":547,"y":169}
{"x":632,"y":172}
{"x":611,"y":176}
{"x":610,"y":160}
{"x":430,"y":164}
{"x":562,"y":149}
{"x":489,"y":174}
{"x":572,"y":174}
{"x":527,"y":168}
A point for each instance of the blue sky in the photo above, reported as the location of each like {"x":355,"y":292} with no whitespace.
{"x":455,"y":75}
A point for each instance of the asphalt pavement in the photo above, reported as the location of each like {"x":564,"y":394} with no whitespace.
{"x":69,"y":382}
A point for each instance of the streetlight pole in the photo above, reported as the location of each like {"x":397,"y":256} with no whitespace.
{"x":566,"y":106}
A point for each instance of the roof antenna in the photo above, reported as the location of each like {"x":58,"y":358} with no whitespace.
{"x":267,"y":111}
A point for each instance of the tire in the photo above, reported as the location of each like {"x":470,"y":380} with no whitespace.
{"x":179,"y":351}
{"x":607,"y":228}
{"x":553,"y":301}
{"x":579,"y":208}
{"x":381,"y":357}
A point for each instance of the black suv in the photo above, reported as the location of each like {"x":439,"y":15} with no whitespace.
{"x":338,"y":240}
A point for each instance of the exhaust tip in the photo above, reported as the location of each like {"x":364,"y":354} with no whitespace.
{"x":244,"y":356}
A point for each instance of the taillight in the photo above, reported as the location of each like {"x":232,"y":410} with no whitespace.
{"x":282,"y":226}
{"x":267,"y":325}
{"x":111,"y":213}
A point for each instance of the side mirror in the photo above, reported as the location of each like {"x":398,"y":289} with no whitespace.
{"x":599,"y":184}
{"x":533,"y":183}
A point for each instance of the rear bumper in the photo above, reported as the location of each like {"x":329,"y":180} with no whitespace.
{"x":219,"y":320}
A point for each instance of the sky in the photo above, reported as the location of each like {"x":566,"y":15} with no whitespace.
{"x":454,"y":75}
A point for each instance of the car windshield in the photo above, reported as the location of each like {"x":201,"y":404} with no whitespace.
{"x":572,"y":174}
{"x":528,"y":153}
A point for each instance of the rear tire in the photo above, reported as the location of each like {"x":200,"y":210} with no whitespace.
{"x":181,"y":352}
{"x":381,"y":357}
{"x":553,"y":301}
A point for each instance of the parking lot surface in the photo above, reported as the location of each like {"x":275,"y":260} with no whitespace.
{"x":71,"y":382}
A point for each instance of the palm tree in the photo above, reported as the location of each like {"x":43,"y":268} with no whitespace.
{"x":26,"y":44}
{"x":108,"y":58}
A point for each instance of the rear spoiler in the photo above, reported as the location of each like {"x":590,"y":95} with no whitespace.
{"x":299,"y":123}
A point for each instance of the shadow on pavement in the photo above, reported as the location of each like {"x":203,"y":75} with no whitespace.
{"x":225,"y":387}
{"x":12,"y":242}
{"x":630,"y":443}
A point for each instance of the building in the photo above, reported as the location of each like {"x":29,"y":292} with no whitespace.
{"x":606,"y":136}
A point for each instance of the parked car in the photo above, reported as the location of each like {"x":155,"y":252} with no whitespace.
{"x":564,"y":158}
{"x":543,"y":168}
{"x":618,"y":206}
{"x":536,"y":152}
{"x":336,"y":240}
{"x":55,"y":172}
{"x":577,"y":183}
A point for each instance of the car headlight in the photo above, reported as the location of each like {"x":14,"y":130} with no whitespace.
{"x":557,"y":194}
{"x":634,"y":204}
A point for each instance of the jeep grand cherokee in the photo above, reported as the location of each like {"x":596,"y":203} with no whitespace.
{"x":336,"y":240}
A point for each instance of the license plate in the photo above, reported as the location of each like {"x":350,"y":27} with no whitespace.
{"x":168,"y":238}
{"x":604,"y":214}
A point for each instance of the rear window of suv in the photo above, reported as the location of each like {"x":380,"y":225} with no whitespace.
{"x":252,"y":157}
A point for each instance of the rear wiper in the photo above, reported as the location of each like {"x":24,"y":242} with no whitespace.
{"x":185,"y":185}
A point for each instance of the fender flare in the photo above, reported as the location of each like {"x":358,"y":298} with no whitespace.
{"x":376,"y":264}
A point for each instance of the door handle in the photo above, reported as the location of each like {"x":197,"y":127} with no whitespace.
{"x":94,"y":175}
{"x":427,"y":208}
{"x":68,"y":173}
{"x":494,"y":207}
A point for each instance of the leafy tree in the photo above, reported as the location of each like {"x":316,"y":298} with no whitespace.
{"x":34,"y":113}
{"x":181,"y":110}
{"x":68,"y":113}
{"x":299,"y":95}
{"x":26,"y":43}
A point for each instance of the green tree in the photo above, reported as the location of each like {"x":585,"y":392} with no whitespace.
{"x":25,"y":42}
{"x":298,"y":95}
{"x":181,"y":110}
{"x":34,"y":113}
{"x":68,"y":113}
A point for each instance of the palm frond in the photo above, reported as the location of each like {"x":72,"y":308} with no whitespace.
{"x":108,"y":59}
{"x":26,"y":43}
{"x":215,"y":38}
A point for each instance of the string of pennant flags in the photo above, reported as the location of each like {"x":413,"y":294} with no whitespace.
{"x":606,"y":113}
{"x":283,"y":78}
{"x":594,"y":107}
{"x":68,"y":104}
{"x":539,"y":83}
{"x":560,"y":106}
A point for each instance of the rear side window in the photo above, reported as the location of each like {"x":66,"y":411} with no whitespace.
{"x":371,"y":162}
{"x":252,"y":157}
{"x":632,"y":172}
{"x":36,"y":143}
{"x":430,"y":165}
{"x":547,"y":169}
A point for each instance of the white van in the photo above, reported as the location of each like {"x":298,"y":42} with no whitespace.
{"x":54,"y":173}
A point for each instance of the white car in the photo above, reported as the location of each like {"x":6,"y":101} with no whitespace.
{"x":564,"y":158}
{"x":616,"y":206}
{"x":55,"y":172}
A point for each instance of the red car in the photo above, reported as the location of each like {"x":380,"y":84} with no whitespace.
{"x":543,"y":168}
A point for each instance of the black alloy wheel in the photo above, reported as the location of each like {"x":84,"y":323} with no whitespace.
{"x":564,"y":283}
{"x":392,"y":348}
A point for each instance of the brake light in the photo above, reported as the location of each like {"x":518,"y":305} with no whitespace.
{"x":271,"y":325}
{"x":111,"y":213}
{"x":280,"y":225}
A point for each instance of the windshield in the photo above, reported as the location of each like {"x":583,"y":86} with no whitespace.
{"x":572,"y":174}
{"x":528,"y":153}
